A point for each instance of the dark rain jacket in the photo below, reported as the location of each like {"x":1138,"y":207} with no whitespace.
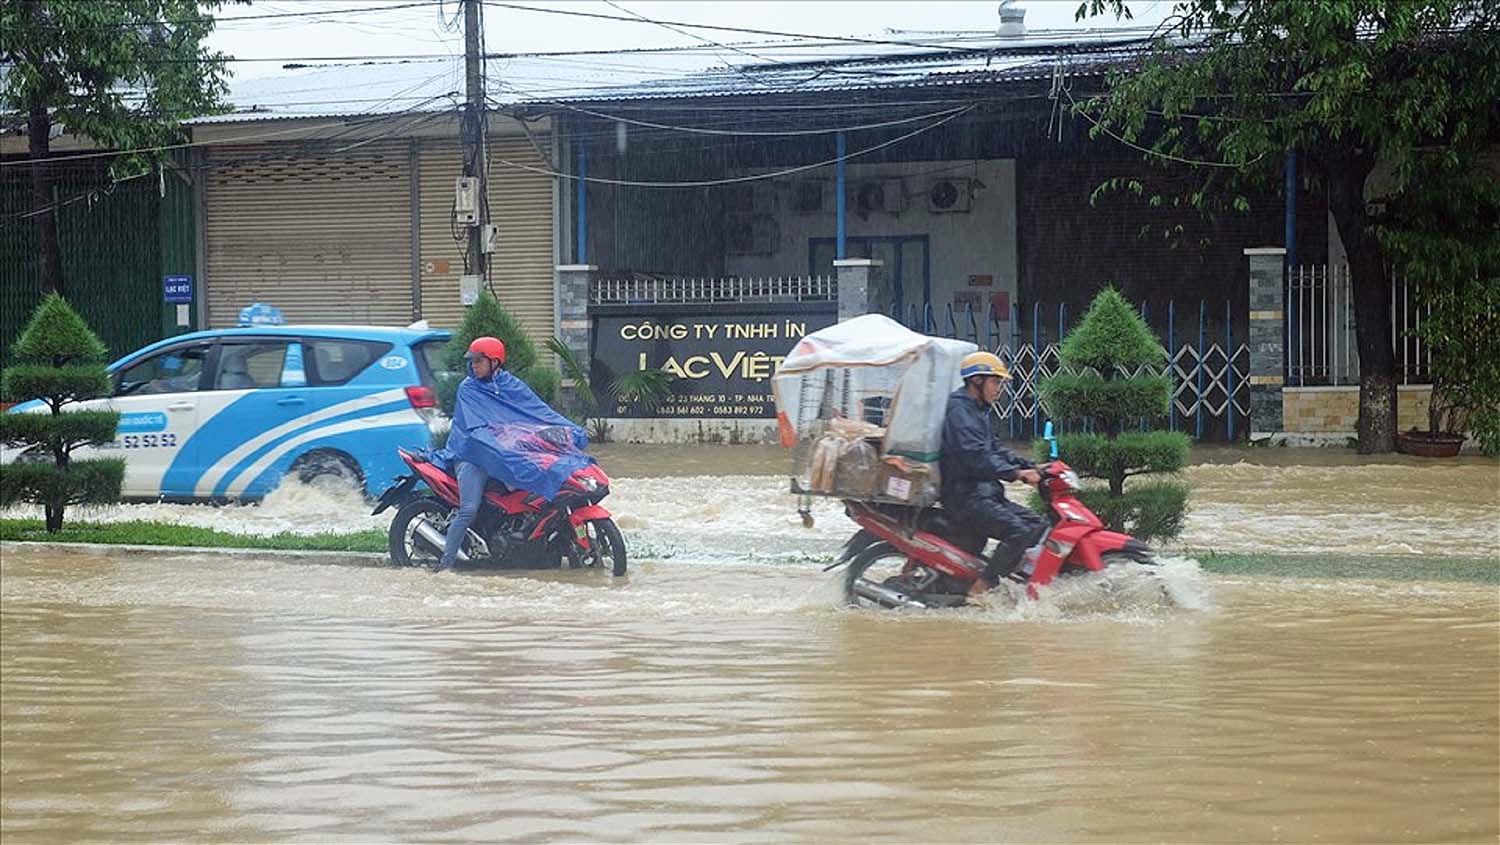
{"x":973,"y":456}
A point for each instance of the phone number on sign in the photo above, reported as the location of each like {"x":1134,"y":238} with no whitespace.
{"x":147,"y":441}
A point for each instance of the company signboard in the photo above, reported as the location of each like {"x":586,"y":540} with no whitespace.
{"x":720,"y":357}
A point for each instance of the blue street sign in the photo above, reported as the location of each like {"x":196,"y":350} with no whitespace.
{"x":177,"y":290}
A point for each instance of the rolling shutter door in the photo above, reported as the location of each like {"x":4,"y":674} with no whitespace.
{"x":325,"y":236}
{"x":520,"y":205}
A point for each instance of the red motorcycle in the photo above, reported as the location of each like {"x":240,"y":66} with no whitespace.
{"x":917,"y":557}
{"x":512,"y":528}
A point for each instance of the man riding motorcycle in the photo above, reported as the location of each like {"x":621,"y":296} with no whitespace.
{"x":527,"y":452}
{"x":973,"y":464}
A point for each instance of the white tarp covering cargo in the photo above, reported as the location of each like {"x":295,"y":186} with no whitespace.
{"x":874,"y":370}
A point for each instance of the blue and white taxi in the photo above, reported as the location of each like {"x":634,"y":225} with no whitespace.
{"x":230,"y":413}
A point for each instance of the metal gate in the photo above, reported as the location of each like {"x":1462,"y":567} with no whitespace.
{"x":1208,"y":364}
{"x":321,"y":232}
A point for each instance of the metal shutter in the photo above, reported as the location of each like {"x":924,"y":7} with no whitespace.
{"x":520,"y":205}
{"x":324,"y":235}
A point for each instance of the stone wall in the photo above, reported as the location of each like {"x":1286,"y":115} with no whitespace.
{"x":1335,"y":410}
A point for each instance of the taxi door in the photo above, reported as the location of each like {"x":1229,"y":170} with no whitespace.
{"x":158,"y":398}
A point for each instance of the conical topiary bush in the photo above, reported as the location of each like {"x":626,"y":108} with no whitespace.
{"x":58,"y":361}
{"x":1112,"y":375}
{"x":487,"y":318}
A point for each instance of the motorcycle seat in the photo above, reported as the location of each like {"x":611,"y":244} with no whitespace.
{"x":495,"y":486}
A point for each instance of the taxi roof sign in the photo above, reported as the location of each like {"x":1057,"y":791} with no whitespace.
{"x":261,"y":314}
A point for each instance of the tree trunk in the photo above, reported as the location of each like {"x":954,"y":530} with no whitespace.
{"x":39,"y":129}
{"x":1371,"y":288}
{"x":54,"y":517}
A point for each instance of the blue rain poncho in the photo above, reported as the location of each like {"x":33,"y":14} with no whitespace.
{"x":516,"y":438}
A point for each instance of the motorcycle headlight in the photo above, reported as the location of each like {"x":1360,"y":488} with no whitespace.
{"x":1070,"y":480}
{"x":589,"y":484}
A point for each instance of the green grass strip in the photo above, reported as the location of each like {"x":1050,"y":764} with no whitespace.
{"x":143,"y":533}
{"x":1383,"y":567}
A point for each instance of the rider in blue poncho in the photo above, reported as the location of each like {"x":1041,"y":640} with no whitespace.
{"x":504,"y":431}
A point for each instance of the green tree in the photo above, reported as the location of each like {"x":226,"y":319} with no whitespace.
{"x":58,"y":361}
{"x":1391,"y":88}
{"x":487,"y":318}
{"x":1112,"y":376}
{"x":1445,"y":241}
{"x":122,"y":73}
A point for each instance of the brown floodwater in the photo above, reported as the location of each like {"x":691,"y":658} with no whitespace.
{"x":171,"y":697}
{"x":720,"y":693}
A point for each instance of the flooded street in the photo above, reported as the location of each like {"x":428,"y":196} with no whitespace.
{"x":720,"y":693}
{"x":211,"y":699}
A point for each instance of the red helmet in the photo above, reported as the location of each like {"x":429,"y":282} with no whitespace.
{"x":487,"y":347}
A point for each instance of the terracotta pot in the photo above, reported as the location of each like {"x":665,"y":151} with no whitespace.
{"x":1427,"y":445}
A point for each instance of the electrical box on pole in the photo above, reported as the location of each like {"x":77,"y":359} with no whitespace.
{"x":466,"y":201}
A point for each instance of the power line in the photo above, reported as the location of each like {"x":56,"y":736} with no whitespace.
{"x":703,"y":38}
{"x":697,"y":130}
{"x":354,"y":124}
{"x":708,"y":183}
{"x":843,"y":39}
{"x":235,"y":18}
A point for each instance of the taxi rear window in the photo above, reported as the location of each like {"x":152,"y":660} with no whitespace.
{"x":333,"y":361}
{"x":430,"y":359}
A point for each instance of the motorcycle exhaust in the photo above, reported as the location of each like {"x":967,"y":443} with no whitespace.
{"x":884,"y":595}
{"x":435,"y":538}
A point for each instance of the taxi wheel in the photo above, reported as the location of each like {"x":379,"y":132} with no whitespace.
{"x":329,"y":471}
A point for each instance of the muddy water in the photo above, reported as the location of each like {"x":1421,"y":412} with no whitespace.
{"x":730,"y":503}
{"x":158,"y":698}
{"x":719,"y":692}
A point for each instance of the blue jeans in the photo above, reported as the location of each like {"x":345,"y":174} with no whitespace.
{"x":471,"y":481}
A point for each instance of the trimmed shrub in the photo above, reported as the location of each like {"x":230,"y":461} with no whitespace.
{"x":59,"y":361}
{"x":1112,"y":375}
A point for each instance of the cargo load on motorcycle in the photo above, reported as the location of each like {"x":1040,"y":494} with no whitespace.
{"x":861,"y":404}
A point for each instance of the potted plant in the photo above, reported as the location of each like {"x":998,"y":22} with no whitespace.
{"x":1465,"y":373}
{"x":1447,"y":419}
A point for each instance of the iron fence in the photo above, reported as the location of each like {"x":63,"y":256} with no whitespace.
{"x":624,"y":290}
{"x":1209,"y":367}
{"x":1321,"y":348}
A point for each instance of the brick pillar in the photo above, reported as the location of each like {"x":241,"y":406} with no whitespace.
{"x":573,"y":281}
{"x":1267,"y":339}
{"x":859,"y":285}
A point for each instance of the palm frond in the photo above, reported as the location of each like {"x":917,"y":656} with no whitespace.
{"x":575,"y":370}
{"x":649,"y":387}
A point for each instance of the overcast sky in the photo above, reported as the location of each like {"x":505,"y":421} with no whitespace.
{"x":423,"y":31}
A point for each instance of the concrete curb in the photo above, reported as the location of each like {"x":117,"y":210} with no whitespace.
{"x":130,"y":550}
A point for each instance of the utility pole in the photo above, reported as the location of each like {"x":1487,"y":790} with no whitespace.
{"x":473,"y":136}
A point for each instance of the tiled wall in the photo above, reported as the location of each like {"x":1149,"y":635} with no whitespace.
{"x":1327,"y":410}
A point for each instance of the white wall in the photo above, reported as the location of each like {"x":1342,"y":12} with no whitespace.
{"x":979,"y":242}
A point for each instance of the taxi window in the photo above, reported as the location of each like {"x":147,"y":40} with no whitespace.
{"x":248,"y":366}
{"x":430,"y":357}
{"x":172,"y":371}
{"x":333,"y":361}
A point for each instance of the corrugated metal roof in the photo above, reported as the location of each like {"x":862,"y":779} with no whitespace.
{"x":438,"y":85}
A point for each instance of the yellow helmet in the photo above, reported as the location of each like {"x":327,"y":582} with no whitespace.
{"x":983,"y":364}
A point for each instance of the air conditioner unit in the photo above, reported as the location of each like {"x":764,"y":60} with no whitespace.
{"x":751,"y":234}
{"x":807,"y":196}
{"x":885,"y":195}
{"x":750,"y":198}
{"x":950,"y":195}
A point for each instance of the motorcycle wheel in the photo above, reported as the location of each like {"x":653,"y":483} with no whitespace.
{"x":406,"y":548}
{"x":876,"y":565}
{"x":606,"y":546}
